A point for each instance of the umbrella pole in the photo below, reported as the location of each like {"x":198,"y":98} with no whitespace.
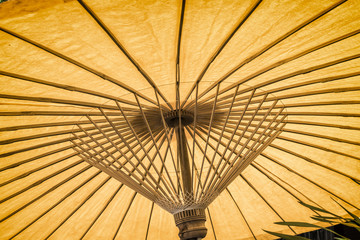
{"x":184,"y":161}
{"x":191,"y":223}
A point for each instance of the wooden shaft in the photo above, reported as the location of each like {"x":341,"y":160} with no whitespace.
{"x":184,"y":159}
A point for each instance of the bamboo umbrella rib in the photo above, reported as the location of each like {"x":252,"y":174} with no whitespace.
{"x":37,"y":169}
{"x":310,"y":144}
{"x":357,"y":182}
{"x":237,"y":127}
{"x":301,"y":104}
{"x":312,"y":161}
{"x":74,"y":62}
{"x":222,"y":143}
{"x":277,"y":64}
{"x":63,"y":140}
{"x":192,"y":153}
{"x":122,"y":177}
{"x":123,"y":139}
{"x":102,"y":210}
{"x":118,"y":143}
{"x":290,"y":75}
{"x":47,"y":192}
{"x":158,"y":153}
{"x":177,"y":58}
{"x":58,"y":202}
{"x":225,"y":104}
{"x":164,"y":166}
{"x":52,"y":124}
{"x":269,"y":46}
{"x":143,"y":147}
{"x":331,"y":114}
{"x":79,"y":206}
{"x":35,"y":158}
{"x":149,"y":187}
{"x":33,"y":126}
{"x":58,"y":101}
{"x":193,"y":136}
{"x":55,"y":113}
{"x":65,"y":87}
{"x":124,"y":51}
{"x":41,"y":135}
{"x":224,"y":101}
{"x":317,"y":92}
{"x":276,"y":183}
{"x":166,"y":129}
{"x":206,"y":157}
{"x":301,"y":122}
{"x":280,"y":185}
{"x":305,"y":133}
{"x":36,"y":183}
{"x":257,"y":165}
{"x":94,"y":160}
{"x":195,"y":169}
{"x":245,"y":136}
{"x":211,"y":222}
{"x":238,"y":141}
{"x":235,"y":117}
{"x":267,"y":203}
{"x":310,"y":82}
{"x":259,"y":143}
{"x":331,"y":125}
{"x":148,"y":225}
{"x":241,"y":213}
{"x":221,"y":135}
{"x":108,"y":138}
{"x":324,"y":103}
{"x":134,"y":154}
{"x":208,"y":136}
{"x":106,"y":206}
{"x":93,"y":149}
{"x":304,"y":71}
{"x":221,"y":47}
{"x":91,"y":156}
{"x":126,"y":212}
{"x":202,"y":150}
{"x":312,"y":182}
{"x":343,"y":174}
{"x":123,"y":218}
{"x":248,"y":160}
{"x":312,"y":134}
{"x":245,"y":145}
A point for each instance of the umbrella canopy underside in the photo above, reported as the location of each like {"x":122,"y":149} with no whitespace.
{"x":75,"y":73}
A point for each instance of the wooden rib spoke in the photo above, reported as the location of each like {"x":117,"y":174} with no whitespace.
{"x":269,"y":46}
{"x":221,"y":47}
{"x":124,"y":51}
{"x":74,"y":62}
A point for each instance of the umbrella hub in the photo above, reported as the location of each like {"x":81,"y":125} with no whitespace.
{"x":191,"y":224}
{"x":179,"y":116}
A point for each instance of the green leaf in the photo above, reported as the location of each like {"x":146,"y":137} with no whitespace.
{"x":316,"y":208}
{"x":321,"y":219}
{"x":287,"y":237}
{"x":355,"y":218}
{"x":351,"y":225}
{"x":298,"y":224}
{"x":303,"y":224}
{"x":328,"y":217}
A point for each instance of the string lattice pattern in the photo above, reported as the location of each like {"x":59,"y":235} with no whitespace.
{"x":230,"y":127}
